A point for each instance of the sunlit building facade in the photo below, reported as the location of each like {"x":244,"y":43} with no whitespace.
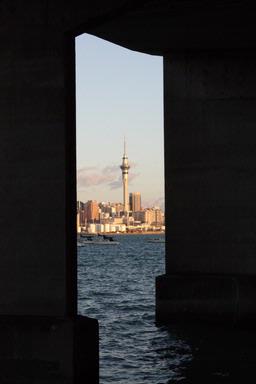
{"x":92,"y":211}
{"x":135,"y":201}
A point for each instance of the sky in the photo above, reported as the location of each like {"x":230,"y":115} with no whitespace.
{"x":119,"y":93}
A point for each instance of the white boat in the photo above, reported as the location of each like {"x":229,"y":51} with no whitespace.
{"x":96,"y":240}
{"x":156,"y":240}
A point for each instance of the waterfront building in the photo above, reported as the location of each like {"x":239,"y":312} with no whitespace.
{"x":78,"y":227}
{"x":112,"y":228}
{"x":99,"y":227}
{"x":105,"y":207}
{"x":157,"y":216}
{"x":104,"y":218}
{"x":125,"y":168}
{"x":151,"y":216}
{"x":119,"y":207}
{"x":112,"y":211}
{"x":91,"y":228}
{"x":139,"y":216}
{"x":120,"y":228}
{"x":92,"y":211}
{"x":117,"y":220}
{"x":135,"y":201}
{"x":81,"y":214}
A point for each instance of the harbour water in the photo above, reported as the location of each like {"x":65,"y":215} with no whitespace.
{"x":116,"y":285}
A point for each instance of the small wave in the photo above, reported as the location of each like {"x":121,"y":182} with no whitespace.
{"x":117,"y":287}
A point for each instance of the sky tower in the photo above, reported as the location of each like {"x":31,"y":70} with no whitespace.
{"x":125,"y":167}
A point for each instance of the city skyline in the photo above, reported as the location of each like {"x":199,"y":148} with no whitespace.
{"x":119,"y":93}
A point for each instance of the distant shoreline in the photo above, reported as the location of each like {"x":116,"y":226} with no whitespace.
{"x":125,"y":233}
{"x":140,"y":233}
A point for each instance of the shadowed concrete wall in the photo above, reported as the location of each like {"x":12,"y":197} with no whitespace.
{"x":42,"y":337}
{"x":210,"y":104}
{"x":209,"y":129}
{"x":33,"y":161}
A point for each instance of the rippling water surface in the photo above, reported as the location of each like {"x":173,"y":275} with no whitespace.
{"x":116,"y":286}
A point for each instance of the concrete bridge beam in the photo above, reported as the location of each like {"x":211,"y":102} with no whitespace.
{"x":210,"y":102}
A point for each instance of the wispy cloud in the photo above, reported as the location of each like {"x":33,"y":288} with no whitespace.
{"x":159,"y":202}
{"x":91,"y":176}
{"x":110,"y":176}
{"x":111,"y":169}
{"x":115,"y":184}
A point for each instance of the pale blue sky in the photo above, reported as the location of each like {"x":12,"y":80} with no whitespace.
{"x":119,"y":93}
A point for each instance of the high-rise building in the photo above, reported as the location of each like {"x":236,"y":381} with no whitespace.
{"x":81,"y":213}
{"x":157,"y":216}
{"x":92,"y":211}
{"x":135,"y":201}
{"x":118,"y":208}
{"x":151,"y":216}
{"x":125,"y":168}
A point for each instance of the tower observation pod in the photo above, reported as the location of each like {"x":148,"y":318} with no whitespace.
{"x":125,"y":168}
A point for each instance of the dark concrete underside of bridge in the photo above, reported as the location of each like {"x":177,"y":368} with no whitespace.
{"x":210,"y":162}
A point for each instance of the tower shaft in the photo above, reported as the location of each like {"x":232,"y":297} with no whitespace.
{"x":125,"y":190}
{"x":125,"y":168}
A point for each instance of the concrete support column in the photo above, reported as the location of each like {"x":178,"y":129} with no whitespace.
{"x":42,"y":339}
{"x":210,"y":161}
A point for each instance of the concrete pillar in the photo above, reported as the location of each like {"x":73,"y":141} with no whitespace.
{"x":210,"y":160}
{"x":42,"y":339}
